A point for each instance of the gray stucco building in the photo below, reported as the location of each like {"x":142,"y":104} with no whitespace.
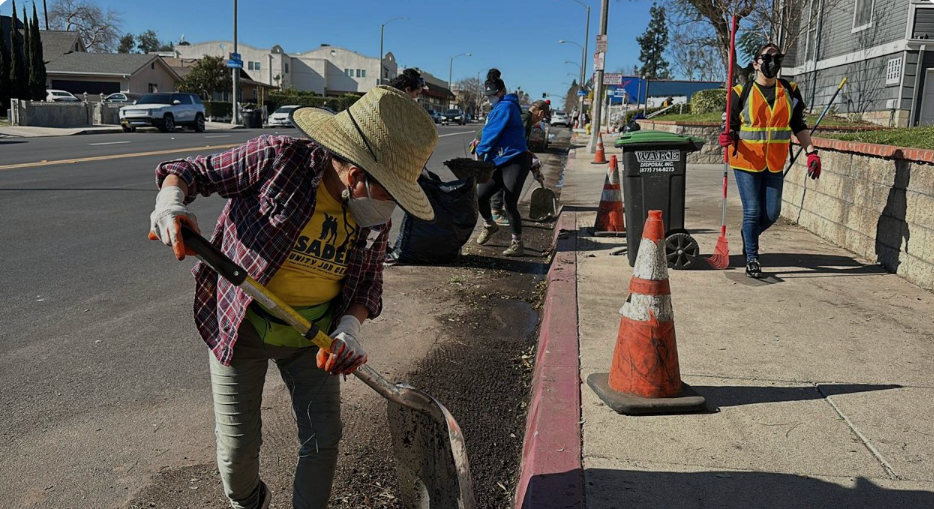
{"x":885,"y":48}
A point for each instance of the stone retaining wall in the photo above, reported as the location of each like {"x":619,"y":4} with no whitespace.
{"x":874,"y":200}
{"x":710,"y":153}
{"x":80,"y":114}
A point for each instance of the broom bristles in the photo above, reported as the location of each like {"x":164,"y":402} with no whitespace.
{"x":721,"y":255}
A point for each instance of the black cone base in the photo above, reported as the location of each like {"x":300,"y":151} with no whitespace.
{"x":689,"y":401}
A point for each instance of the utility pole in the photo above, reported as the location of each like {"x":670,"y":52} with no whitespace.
{"x":45,"y":13}
{"x":236,"y":71}
{"x":584,"y":54}
{"x":598,"y":83}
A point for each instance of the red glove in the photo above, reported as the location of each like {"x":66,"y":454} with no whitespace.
{"x":814,"y":165}
{"x":728,"y":138}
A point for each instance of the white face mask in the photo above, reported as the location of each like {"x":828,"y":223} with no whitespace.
{"x":368,"y":212}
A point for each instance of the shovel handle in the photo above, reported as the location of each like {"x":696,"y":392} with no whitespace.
{"x":229,"y":270}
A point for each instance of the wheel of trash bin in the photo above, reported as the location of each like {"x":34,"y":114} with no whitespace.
{"x":682,"y":250}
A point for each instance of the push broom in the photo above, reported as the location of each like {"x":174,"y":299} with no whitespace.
{"x":721,"y":254}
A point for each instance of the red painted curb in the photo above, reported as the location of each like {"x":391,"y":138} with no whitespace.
{"x":551,"y":475}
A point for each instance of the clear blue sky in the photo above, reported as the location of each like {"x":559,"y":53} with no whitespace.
{"x":520,"y":37}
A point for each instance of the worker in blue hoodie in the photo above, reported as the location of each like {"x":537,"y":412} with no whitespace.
{"x":503,"y":143}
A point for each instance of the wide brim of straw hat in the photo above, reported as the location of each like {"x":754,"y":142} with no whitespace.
{"x":399,"y":133}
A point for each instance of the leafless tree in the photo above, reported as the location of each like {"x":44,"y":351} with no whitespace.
{"x":469,"y":94}
{"x":709,"y":22}
{"x":98,"y":28}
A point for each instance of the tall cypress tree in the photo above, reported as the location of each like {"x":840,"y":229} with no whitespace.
{"x":27,"y":52}
{"x":19,"y":80}
{"x":4,"y":74}
{"x":37,"y":74}
{"x":653,"y":43}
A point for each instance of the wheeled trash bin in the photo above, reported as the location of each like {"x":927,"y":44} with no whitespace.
{"x":654,"y":179}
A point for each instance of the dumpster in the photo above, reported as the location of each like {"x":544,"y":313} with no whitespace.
{"x":654,"y":179}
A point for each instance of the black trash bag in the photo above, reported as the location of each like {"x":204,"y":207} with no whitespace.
{"x":439,"y":241}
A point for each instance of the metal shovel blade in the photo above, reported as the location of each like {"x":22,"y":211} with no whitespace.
{"x":544,"y":205}
{"x":430,"y":452}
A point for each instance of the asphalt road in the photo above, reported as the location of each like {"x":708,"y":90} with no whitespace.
{"x":103,"y":378}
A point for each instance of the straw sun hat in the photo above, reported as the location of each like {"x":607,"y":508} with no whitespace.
{"x":385,"y":133}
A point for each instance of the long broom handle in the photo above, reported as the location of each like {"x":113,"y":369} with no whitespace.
{"x":726,"y":158}
{"x":819,"y":119}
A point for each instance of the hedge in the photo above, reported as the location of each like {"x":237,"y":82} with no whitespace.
{"x":632,"y":113}
{"x":277,"y":99}
{"x":215,"y":109}
{"x":708,"y":101}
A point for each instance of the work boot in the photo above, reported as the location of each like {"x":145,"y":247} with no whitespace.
{"x":517,"y":248}
{"x":753,"y":269}
{"x":488,"y":231}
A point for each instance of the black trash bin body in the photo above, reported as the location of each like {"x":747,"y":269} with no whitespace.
{"x":654,"y":178}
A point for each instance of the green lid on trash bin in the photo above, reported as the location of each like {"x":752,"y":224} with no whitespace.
{"x":631,"y":139}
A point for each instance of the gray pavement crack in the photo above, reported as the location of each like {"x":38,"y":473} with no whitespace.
{"x":890,"y":471}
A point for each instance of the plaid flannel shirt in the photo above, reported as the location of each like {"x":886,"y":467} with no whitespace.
{"x":271,"y":184}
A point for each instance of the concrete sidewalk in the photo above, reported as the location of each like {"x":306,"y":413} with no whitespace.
{"x":818,"y":379}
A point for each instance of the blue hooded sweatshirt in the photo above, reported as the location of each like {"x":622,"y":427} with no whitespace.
{"x":503,"y":135}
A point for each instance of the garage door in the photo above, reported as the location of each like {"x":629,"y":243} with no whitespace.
{"x":927,"y":100}
{"x":91,"y":87}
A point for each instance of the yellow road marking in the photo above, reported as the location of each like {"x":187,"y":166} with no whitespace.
{"x":114,"y":156}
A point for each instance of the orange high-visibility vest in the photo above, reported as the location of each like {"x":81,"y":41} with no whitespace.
{"x":765,"y":132}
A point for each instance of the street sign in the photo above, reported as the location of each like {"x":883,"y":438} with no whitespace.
{"x":619,"y":92}
{"x":236,"y":56}
{"x":581,"y":92}
{"x":613,"y":79}
{"x":235,"y":64}
{"x":598,"y":61}
{"x":601,"y":43}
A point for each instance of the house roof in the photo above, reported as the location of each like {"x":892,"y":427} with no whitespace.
{"x":105,"y":64}
{"x":436,"y":87}
{"x":56,"y":43}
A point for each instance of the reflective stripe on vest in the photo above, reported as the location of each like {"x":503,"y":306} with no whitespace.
{"x":765,"y":132}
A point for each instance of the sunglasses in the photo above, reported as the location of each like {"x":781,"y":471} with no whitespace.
{"x":767,"y":58}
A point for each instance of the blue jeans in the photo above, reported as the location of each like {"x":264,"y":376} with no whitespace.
{"x":761,"y":194}
{"x":238,"y":395}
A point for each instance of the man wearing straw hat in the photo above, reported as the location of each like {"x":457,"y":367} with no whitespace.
{"x":306,"y":218}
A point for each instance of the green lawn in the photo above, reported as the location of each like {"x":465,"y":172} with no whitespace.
{"x":914,"y":137}
{"x":811,"y":119}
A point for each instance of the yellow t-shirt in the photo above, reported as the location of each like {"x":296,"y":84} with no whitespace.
{"x":315,"y":269}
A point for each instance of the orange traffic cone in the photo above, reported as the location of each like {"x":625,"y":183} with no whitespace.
{"x":600,"y":156}
{"x":644,"y":377}
{"x":610,"y":221}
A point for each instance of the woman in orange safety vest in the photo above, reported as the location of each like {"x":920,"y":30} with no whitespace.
{"x":761,"y":124}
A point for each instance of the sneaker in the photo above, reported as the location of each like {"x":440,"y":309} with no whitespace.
{"x":392,"y":256}
{"x":488,"y":231}
{"x":753,"y":269}
{"x":501,"y":219}
{"x":265,"y":496}
{"x":517,"y":248}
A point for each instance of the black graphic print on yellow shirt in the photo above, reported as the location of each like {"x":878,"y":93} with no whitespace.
{"x":316,"y":266}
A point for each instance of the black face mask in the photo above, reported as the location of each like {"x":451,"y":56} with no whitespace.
{"x":770,"y":65}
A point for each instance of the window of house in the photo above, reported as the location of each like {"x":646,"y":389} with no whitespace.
{"x":862,"y":15}
{"x":893,"y":71}
{"x":153,"y":88}
{"x":348,"y":72}
{"x":152,"y":66}
{"x":256,"y":66}
{"x":286,"y":68}
{"x":363,"y":73}
{"x":358,"y":73}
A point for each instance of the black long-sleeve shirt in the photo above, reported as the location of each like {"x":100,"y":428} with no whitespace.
{"x":797,"y":123}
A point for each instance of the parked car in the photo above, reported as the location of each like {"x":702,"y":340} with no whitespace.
{"x":60,"y":96}
{"x":280,"y":117}
{"x":165,"y":112}
{"x":454,"y":117}
{"x":560,"y":118}
{"x":435,"y":115}
{"x":122,"y":97}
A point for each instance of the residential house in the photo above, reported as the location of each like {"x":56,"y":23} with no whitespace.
{"x":251,"y":90}
{"x":327,"y":70}
{"x":107,"y":73}
{"x":883,"y":47}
